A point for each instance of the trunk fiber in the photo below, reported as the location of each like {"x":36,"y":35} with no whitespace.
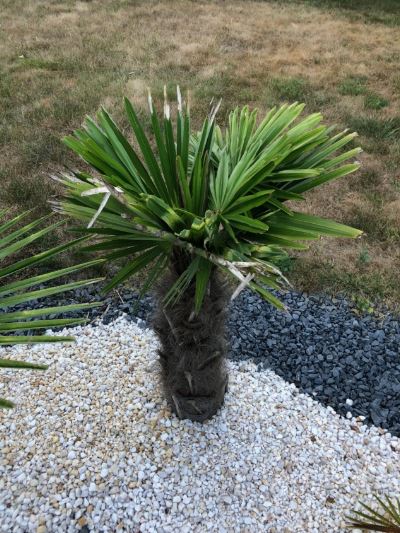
{"x":193,"y":349}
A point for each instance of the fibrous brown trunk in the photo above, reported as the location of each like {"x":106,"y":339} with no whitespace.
{"x":193,"y":349}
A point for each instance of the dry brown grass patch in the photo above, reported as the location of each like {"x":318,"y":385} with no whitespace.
{"x":78,"y":55}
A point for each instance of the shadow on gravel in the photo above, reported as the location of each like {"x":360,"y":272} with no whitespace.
{"x":346,"y":361}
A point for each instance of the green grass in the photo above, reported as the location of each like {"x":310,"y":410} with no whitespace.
{"x":376,"y":128}
{"x":353,"y":86}
{"x":41,"y":100}
{"x":393,"y":163}
{"x":30,"y":193}
{"x":372,"y":220}
{"x":364,"y":258}
{"x":375,"y":101}
{"x":287,"y":89}
{"x":370,"y":11}
{"x":222,"y":85}
{"x":366,"y":180}
{"x":362,"y":286}
{"x":37,"y":63}
{"x":396,"y":82}
{"x":290,"y":89}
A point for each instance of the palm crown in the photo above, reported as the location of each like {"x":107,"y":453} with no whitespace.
{"x":217,"y":197}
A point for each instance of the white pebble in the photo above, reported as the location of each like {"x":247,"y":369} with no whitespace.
{"x":130,"y":459}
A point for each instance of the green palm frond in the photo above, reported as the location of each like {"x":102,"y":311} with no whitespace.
{"x":17,"y":290}
{"x":385,"y":517}
{"x":219,"y":197}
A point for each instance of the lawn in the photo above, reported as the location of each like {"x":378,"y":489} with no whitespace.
{"x":60,"y":60}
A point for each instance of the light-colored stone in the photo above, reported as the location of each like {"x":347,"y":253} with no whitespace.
{"x":100,"y":440}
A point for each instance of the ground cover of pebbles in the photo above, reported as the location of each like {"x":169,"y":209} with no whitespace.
{"x":93,"y":446}
{"x":344,"y":359}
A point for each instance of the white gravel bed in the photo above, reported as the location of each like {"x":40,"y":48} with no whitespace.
{"x":93,"y":443}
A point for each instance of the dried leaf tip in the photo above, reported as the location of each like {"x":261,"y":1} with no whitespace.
{"x":55,"y":178}
{"x":179,"y":98}
{"x":150,"y":100}
{"x":55,"y":206}
{"x":100,"y":209}
{"x":167,"y":112}
{"x":96,"y":190}
{"x":243,"y":285}
{"x":214,"y":111}
{"x":188,"y":101}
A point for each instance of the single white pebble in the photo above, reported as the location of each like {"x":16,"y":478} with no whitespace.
{"x":349,"y":402}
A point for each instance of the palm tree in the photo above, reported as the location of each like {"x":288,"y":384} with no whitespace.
{"x":14,"y":288}
{"x":386,"y":517}
{"x":195,"y":209}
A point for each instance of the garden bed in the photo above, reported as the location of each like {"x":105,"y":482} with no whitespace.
{"x":93,"y":445}
{"x":345,"y":360}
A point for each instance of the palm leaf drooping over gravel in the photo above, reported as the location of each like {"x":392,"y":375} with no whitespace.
{"x":14,"y":292}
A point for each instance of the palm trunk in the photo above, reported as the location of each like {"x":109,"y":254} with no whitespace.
{"x":193,"y":348}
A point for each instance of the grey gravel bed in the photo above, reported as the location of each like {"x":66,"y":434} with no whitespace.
{"x":346,"y":361}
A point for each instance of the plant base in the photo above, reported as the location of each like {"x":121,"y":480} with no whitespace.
{"x":193,"y":350}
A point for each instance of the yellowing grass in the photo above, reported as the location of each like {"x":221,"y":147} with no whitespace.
{"x":62,"y":59}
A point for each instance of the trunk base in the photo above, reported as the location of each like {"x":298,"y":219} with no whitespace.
{"x":198,"y":408}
